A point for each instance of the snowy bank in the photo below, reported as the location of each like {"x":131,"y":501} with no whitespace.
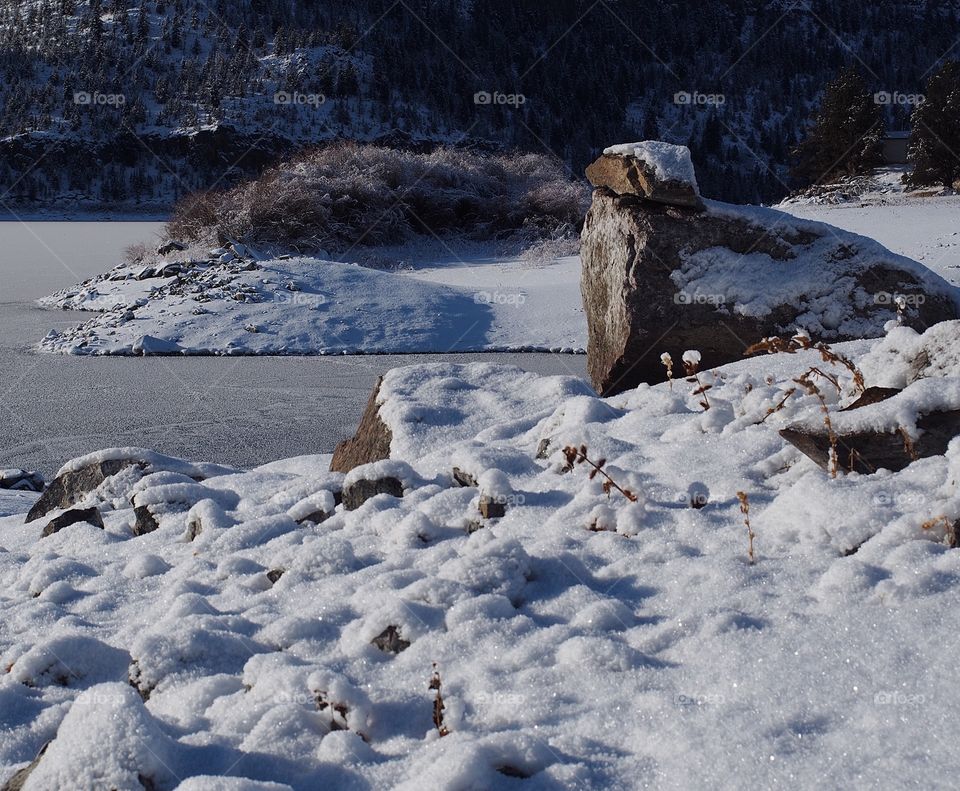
{"x":584,"y":638}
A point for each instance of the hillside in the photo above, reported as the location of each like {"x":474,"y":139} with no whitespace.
{"x":135,"y":104}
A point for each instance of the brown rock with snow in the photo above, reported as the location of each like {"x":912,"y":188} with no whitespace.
{"x":371,"y":442}
{"x":666,"y":277}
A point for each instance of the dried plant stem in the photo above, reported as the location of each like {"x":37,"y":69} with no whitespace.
{"x":576,"y":456}
{"x":438,"y":705}
{"x":745,"y":510}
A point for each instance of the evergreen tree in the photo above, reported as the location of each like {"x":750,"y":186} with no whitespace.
{"x":934,"y":146}
{"x":846,"y":134}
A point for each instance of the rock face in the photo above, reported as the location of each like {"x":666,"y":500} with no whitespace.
{"x":70,"y":488}
{"x":371,"y":442}
{"x":661,"y":276}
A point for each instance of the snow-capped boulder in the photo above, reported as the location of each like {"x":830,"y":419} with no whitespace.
{"x":653,"y":170}
{"x":665,"y":278}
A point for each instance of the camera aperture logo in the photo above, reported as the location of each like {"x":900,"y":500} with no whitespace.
{"x":697,"y":99}
{"x":500,"y":298}
{"x":897,"y":99}
{"x":496,"y":98}
{"x":297,"y":99}
{"x":687,"y":298}
{"x":97,"y":99}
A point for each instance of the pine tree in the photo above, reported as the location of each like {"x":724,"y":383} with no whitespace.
{"x":934,"y":146}
{"x":845,"y":137}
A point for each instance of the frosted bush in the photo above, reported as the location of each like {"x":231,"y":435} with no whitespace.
{"x":346,"y":195}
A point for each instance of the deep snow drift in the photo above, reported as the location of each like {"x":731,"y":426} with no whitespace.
{"x":582,"y":640}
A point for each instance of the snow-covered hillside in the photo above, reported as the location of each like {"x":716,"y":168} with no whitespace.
{"x":582,"y":640}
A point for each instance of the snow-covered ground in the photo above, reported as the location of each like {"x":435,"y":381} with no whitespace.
{"x":922,"y":227}
{"x":582,"y":640}
{"x":305,"y":306}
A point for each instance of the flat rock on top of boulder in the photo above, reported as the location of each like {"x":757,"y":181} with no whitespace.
{"x":652,"y":170}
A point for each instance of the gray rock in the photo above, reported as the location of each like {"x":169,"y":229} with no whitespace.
{"x":145,"y":522}
{"x":72,"y":517}
{"x":360,"y":491}
{"x":71,"y":487}
{"x":316,"y":518}
{"x":21,"y":480}
{"x":172,"y":246}
{"x":19,"y":780}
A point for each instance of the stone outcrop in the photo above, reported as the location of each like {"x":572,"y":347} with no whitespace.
{"x":371,"y":442}
{"x":663,"y":275}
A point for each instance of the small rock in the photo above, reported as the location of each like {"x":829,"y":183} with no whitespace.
{"x":492,"y":507}
{"x":72,"y":517}
{"x":390,"y":642}
{"x":21,"y":480}
{"x":69,"y":488}
{"x":317,"y":517}
{"x":19,"y":780}
{"x":145,"y":522}
{"x":171,"y":247}
{"x":274,"y":575}
{"x":359,"y":492}
{"x":464,"y":479}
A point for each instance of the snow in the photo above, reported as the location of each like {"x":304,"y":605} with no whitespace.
{"x":582,"y":640}
{"x":669,"y":162}
{"x":231,"y":306}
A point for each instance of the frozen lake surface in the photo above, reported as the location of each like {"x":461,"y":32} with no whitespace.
{"x":242,"y":411}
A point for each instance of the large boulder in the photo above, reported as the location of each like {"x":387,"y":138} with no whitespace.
{"x":666,"y":277}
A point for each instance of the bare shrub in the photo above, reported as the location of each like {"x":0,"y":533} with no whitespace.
{"x":347,"y":195}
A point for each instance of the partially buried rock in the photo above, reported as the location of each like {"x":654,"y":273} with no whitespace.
{"x":492,"y":507}
{"x":68,"y":489}
{"x":19,"y":780}
{"x":390,"y":642}
{"x":145,"y":522}
{"x":661,"y":274}
{"x":72,"y":517}
{"x":21,"y":480}
{"x":358,"y":492}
